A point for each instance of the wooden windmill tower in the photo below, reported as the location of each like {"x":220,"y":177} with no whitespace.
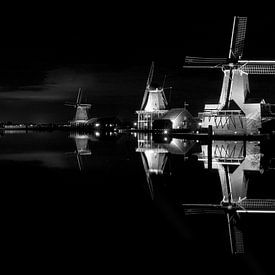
{"x":82,"y":111}
{"x":232,"y":114}
{"x":154,"y":103}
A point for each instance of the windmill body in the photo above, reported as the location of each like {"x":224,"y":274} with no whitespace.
{"x":154,"y":104}
{"x":232,"y":114}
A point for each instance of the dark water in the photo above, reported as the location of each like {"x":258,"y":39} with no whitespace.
{"x":114,"y":203}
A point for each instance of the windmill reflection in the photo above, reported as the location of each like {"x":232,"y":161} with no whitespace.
{"x":233,"y":159}
{"x":82,"y":146}
{"x":155,"y":152}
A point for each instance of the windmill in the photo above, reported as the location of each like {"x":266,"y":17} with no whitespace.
{"x":154,"y":103}
{"x":81,"y":115}
{"x":232,"y":113}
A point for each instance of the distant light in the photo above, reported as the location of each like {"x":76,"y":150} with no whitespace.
{"x":97,"y":134}
{"x":200,"y":123}
{"x":165,"y":139}
{"x":135,"y":124}
{"x":97,"y":124}
{"x":165,"y":132}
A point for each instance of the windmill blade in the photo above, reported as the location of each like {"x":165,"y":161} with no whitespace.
{"x":237,"y":37}
{"x":258,"y":204}
{"x":69,"y":104}
{"x":235,"y":235}
{"x":200,"y":211}
{"x":79,"y":162}
{"x":191,"y":209}
{"x":150,"y":76}
{"x":150,"y":185}
{"x":264,"y":69}
{"x":144,"y":100}
{"x":148,"y":83}
{"x":79,"y":95}
{"x":205,"y":60}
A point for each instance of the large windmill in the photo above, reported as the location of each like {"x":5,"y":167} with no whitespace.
{"x":154,"y":103}
{"x":82,"y":111}
{"x":232,"y":114}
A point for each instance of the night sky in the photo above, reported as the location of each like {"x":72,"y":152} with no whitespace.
{"x":45,"y":58}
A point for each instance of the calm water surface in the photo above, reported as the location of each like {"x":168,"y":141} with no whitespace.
{"x":126,"y":203}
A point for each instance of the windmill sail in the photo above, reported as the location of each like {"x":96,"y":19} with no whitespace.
{"x":235,"y":235}
{"x":237,"y":38}
{"x":79,"y":96}
{"x":148,"y":84}
{"x":205,"y":60}
{"x":258,"y":69}
{"x":150,"y":76}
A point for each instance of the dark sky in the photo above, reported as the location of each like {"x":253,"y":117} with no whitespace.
{"x":45,"y":58}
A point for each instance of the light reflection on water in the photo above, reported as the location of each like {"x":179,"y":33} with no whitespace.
{"x":153,"y":175}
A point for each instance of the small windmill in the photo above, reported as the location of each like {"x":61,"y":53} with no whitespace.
{"x":154,"y":103}
{"x":235,"y":83}
{"x":81,"y":114}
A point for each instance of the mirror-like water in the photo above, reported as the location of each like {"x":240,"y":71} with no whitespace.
{"x":139,"y":200}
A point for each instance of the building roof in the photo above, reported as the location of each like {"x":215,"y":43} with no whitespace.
{"x":176,"y":113}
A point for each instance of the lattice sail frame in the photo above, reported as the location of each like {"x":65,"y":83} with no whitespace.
{"x":238,"y":37}
{"x":256,"y":67}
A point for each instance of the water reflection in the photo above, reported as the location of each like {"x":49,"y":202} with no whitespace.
{"x":235,"y":161}
{"x":154,"y":153}
{"x":83,"y":143}
{"x":82,"y":146}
